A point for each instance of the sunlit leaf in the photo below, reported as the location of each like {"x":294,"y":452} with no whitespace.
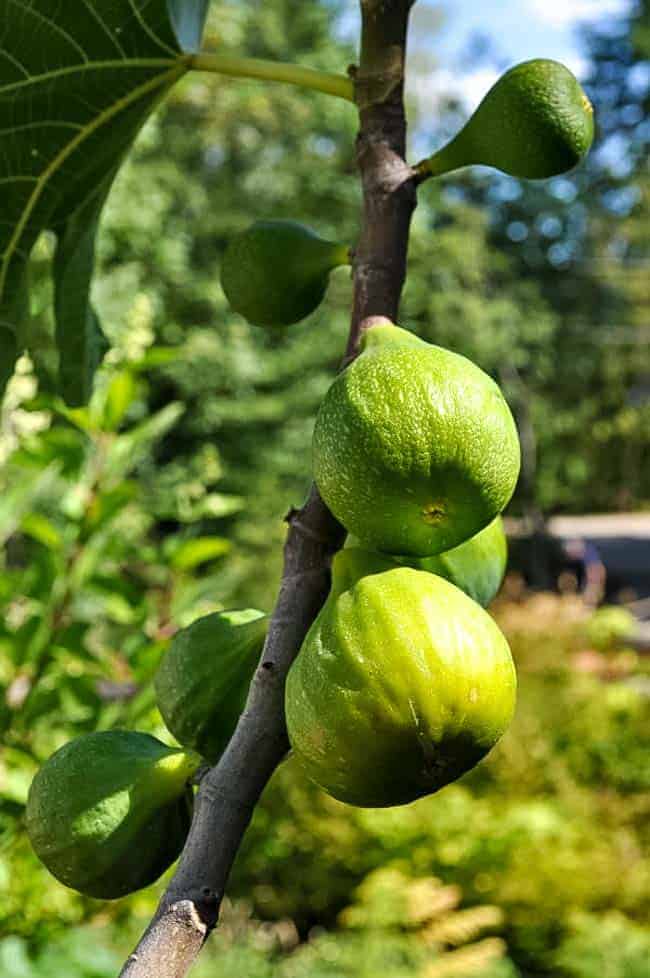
{"x":39,"y":528}
{"x":129,"y":447}
{"x":194,"y":552}
{"x":118,"y":399}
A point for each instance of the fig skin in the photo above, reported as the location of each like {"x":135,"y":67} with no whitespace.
{"x":476,"y":566}
{"x":403,"y":684}
{"x":535,"y":122}
{"x":414,"y":449}
{"x":202,"y":681}
{"x":276,"y":273}
{"x":109,"y":812}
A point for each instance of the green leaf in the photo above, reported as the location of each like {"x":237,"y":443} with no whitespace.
{"x":79,"y":336}
{"x":194,"y":552}
{"x":107,"y":504}
{"x":76,"y":85}
{"x":119,"y":396}
{"x":16,"y":501}
{"x":39,"y":528}
{"x":127,"y":449}
{"x":13,"y":310}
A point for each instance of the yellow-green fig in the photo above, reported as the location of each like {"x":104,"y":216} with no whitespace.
{"x":110,"y":811}
{"x":275,"y":273}
{"x":202,"y":681}
{"x":403,"y":684}
{"x":415,"y":449}
{"x":476,"y":566}
{"x":535,"y":122}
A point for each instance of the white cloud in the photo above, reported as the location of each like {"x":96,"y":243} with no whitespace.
{"x":565,"y":13}
{"x":430,"y":88}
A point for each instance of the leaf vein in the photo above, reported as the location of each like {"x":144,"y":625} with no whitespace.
{"x":52,"y":24}
{"x":137,"y":12}
{"x":18,"y":179}
{"x":113,"y":38}
{"x":37,"y":125}
{"x":109,"y":113}
{"x":90,"y":66}
{"x":14,"y":61}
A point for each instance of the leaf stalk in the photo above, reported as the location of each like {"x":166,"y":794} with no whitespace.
{"x":228,"y":64}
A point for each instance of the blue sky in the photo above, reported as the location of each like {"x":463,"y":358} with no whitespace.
{"x":441,"y":30}
{"x":525,"y":29}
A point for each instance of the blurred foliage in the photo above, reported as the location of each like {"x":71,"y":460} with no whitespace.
{"x":90,"y":590}
{"x":609,"y":627}
{"x":164,"y":500}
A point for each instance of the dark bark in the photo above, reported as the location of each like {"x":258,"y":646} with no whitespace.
{"x":228,"y":793}
{"x":389,"y":195}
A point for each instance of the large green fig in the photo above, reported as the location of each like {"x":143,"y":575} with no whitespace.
{"x":415,"y":449}
{"x":109,"y":812}
{"x":476,"y":566}
{"x":535,"y":122}
{"x":203,"y":679}
{"x":403,"y":684}
{"x":276,"y":272}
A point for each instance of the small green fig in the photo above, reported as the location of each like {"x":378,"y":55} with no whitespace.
{"x":403,"y":684}
{"x":414,"y":448}
{"x":276,"y":272}
{"x":476,"y":566}
{"x":110,"y":811}
{"x":535,"y":122}
{"x":202,"y":681}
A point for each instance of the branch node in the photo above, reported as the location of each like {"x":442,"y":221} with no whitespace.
{"x":307,"y":531}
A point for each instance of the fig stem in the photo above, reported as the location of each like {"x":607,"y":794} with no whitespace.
{"x":341,"y":86}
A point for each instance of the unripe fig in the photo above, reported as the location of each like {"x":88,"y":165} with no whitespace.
{"x":402,"y":684}
{"x":110,"y":811}
{"x":476,"y":566}
{"x":535,"y":122}
{"x":415,"y":449}
{"x":276,"y":272}
{"x":202,"y":681}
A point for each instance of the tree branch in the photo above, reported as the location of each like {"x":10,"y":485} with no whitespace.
{"x":228,"y":793}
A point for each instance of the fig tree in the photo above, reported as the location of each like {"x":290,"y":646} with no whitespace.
{"x":276,"y":272}
{"x":535,"y":122}
{"x":414,"y":449}
{"x":403,"y":684}
{"x":202,"y":681}
{"x":110,"y":811}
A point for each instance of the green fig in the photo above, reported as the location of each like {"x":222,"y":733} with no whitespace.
{"x":403,"y":684}
{"x":535,"y":122}
{"x":202,"y":681}
{"x":476,"y":566}
{"x":276,"y":272}
{"x":414,"y":449}
{"x":110,"y":811}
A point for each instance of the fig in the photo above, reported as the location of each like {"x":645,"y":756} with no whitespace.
{"x":535,"y":122}
{"x":403,"y":684}
{"x":110,"y":811}
{"x":414,"y":449}
{"x":202,"y":681}
{"x":276,"y":273}
{"x":476,"y":566}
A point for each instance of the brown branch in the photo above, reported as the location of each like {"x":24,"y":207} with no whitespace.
{"x":228,"y":793}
